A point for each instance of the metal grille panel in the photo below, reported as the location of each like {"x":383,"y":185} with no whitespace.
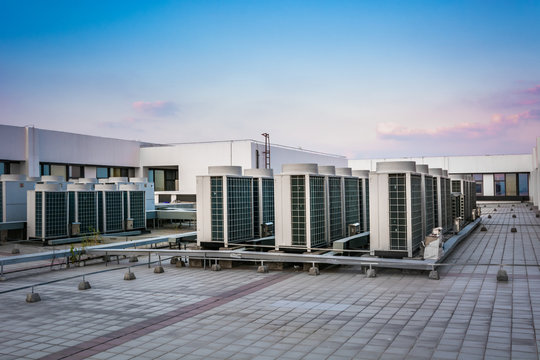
{"x":56,"y":214}
{"x":334,"y":196}
{"x":416,"y":211}
{"x":317,"y":210}
{"x":137,"y":209}
{"x":268,"y":200}
{"x":239,"y":209}
{"x":216,"y":188}
{"x":429,"y":204}
{"x":397,"y":195}
{"x":352,"y":201}
{"x":298,"y":210}
{"x":113,"y":211}
{"x":39,"y":213}
{"x":87,"y":211}
{"x":256,"y":202}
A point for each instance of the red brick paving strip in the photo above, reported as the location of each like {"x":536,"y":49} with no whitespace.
{"x":121,"y":336}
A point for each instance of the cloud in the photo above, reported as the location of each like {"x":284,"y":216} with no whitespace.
{"x":533,"y":90}
{"x":156,"y":108}
{"x":468,"y":130}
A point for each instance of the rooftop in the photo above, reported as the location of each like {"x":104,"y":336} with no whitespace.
{"x":193,"y":313}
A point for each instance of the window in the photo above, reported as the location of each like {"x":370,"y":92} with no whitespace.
{"x":479,"y":179}
{"x":76,"y":171}
{"x":102,"y":172}
{"x":54,"y":169}
{"x":163,"y":179}
{"x":511,"y":184}
{"x":500,"y":186}
{"x":45,"y":169}
{"x":523,"y":184}
{"x":4,"y":167}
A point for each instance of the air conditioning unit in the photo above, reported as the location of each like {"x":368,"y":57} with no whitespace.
{"x":354,"y":229}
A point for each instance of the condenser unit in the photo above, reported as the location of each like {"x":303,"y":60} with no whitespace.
{"x":83,"y":209}
{"x":334,"y":200}
{"x":396,"y":209}
{"x":224,"y":206}
{"x":47,"y":212}
{"x":262,"y":185}
{"x":301,"y":207}
{"x":350,"y":199}
{"x":13,"y":200}
{"x":134,"y":206}
{"x":148,"y":188}
{"x":110,"y":208}
{"x":363,"y":197}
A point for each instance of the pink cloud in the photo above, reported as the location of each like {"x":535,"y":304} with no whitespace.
{"x":468,"y":130}
{"x":533,"y":90}
{"x":156,"y":108}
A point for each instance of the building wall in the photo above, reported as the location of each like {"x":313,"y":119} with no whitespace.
{"x":280,"y":155}
{"x":12,"y":143}
{"x":193,"y":159}
{"x":459,"y":164}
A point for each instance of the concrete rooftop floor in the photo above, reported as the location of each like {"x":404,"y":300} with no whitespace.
{"x":193,"y":313}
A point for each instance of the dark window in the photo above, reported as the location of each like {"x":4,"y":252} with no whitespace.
{"x":4,"y":167}
{"x":45,"y":169}
{"x":163,"y":179}
{"x":76,"y":171}
{"x":479,"y":179}
{"x":523,"y":182}
{"x":500,"y":186}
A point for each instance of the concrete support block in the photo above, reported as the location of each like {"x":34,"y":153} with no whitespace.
{"x":494,"y":209}
{"x":513,"y":230}
{"x":262,"y":269}
{"x":216,"y":267}
{"x":180,"y":263}
{"x":15,"y":251}
{"x":514,"y":216}
{"x":275,"y":265}
{"x":3,"y":235}
{"x":434,"y":275}
{"x":84,"y":285}
{"x":314,"y":271}
{"x":3,"y":278}
{"x":32,"y":297}
{"x":159,"y":269}
{"x":133,"y":259}
{"x":226,"y":264}
{"x":196,"y":263}
{"x":537,"y":215}
{"x":129,"y":276}
{"x":371,"y":273}
{"x":502,"y":275}
{"x":489,"y":216}
{"x":174,"y":259}
{"x":483,"y":228}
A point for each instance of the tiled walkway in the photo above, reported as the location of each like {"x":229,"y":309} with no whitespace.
{"x":239,"y":314}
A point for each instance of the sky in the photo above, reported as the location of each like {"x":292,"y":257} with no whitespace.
{"x":362,"y":79}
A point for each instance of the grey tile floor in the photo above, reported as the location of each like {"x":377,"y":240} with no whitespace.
{"x":340,"y":314}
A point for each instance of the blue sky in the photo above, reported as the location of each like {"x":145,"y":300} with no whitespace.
{"x":358,"y":78}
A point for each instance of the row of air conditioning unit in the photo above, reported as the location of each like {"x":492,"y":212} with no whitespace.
{"x":83,"y":209}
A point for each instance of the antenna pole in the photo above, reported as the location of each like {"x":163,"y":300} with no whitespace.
{"x":266,"y":151}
